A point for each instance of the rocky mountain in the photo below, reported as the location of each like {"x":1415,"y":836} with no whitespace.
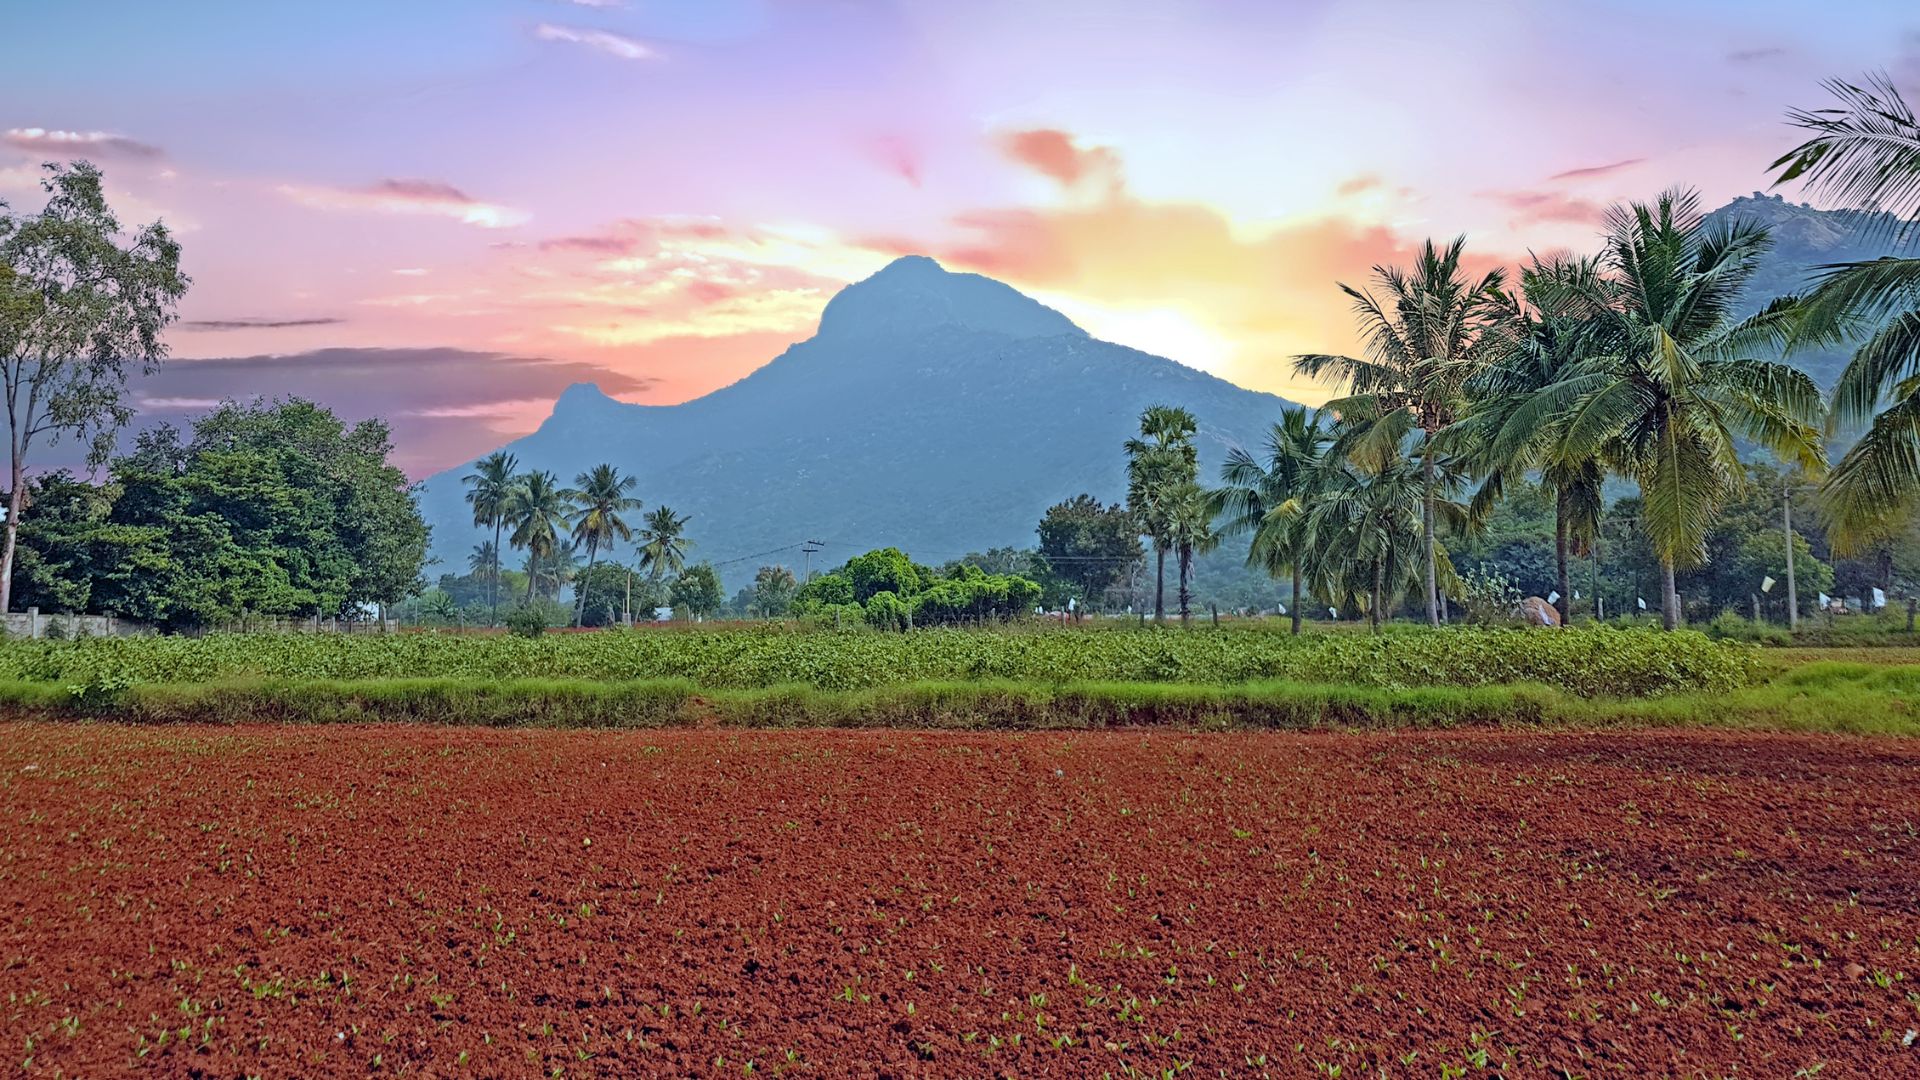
{"x":1804,"y":240}
{"x":943,"y":412}
{"x":935,"y":411}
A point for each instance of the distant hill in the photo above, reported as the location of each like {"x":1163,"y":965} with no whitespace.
{"x":936,"y":411}
{"x":944,"y":412}
{"x":1805,"y":239}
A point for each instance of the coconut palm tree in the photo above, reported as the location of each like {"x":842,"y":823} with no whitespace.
{"x":489,"y":486}
{"x":602,"y":498}
{"x":1265,"y":501}
{"x":1672,"y":381}
{"x":1423,"y":341}
{"x":1363,"y":528}
{"x":1159,"y":464}
{"x":663,"y":548}
{"x":1866,"y":153}
{"x":539,"y":511}
{"x":1551,"y":324}
{"x":554,"y":570}
{"x":484,"y":563}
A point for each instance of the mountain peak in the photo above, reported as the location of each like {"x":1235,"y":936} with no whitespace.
{"x":582,"y":395}
{"x":913,"y":294}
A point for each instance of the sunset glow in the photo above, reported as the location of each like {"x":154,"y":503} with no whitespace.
{"x":661,"y":196}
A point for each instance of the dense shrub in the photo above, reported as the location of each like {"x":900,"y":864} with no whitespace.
{"x":1584,"y":662}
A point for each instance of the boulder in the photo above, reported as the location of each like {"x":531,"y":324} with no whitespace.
{"x":1537,"y":612}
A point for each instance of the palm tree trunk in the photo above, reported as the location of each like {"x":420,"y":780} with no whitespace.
{"x":1564,"y":577}
{"x":533,"y":573}
{"x":586,"y":582}
{"x":1296,"y":601}
{"x":1186,"y":575}
{"x":1379,"y":591}
{"x":493,"y":587}
{"x":1426,"y":529}
{"x":1160,"y":583}
{"x":1669,"y":598}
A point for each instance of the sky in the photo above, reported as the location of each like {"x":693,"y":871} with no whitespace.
{"x":443,"y":212}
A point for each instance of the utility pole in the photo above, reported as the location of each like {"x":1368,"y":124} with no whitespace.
{"x":1786,"y":522}
{"x":806,"y":559}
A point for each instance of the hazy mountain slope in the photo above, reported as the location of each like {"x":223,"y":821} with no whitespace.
{"x":935,"y":411}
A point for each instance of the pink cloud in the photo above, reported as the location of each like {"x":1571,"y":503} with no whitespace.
{"x":1534,"y":207}
{"x":1588,"y":171}
{"x":898,"y":155}
{"x":408,"y":196}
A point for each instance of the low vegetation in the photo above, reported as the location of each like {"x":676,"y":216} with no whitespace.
{"x":1851,"y":697}
{"x":1585,"y":662}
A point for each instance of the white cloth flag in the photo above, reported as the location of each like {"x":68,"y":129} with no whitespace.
{"x":1766,"y":584}
{"x":1553,"y":597}
{"x":1643,"y":603}
{"x":1333,"y":612}
{"x":1283,"y":608}
{"x":1825,"y":600}
{"x":1879,"y":598}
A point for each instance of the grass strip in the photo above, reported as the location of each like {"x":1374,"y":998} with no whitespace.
{"x":1832,"y":696}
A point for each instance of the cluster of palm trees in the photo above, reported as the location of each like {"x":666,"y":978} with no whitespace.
{"x":553,"y":524}
{"x":1165,"y":495}
{"x":1629,"y":363}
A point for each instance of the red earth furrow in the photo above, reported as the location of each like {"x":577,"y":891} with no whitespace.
{"x":339,"y":901}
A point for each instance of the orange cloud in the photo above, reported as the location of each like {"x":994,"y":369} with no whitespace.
{"x":1054,"y":153}
{"x":1119,"y":263}
{"x":1354,"y":185}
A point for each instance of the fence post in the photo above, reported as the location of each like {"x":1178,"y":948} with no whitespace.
{"x":33,"y":623}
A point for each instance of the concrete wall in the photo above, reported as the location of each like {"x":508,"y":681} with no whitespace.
{"x":31,"y":623}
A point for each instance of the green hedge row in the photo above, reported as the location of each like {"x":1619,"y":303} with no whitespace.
{"x":675,"y":703}
{"x":1832,"y":696}
{"x":1586,"y":662}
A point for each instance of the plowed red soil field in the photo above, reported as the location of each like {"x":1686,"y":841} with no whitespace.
{"x":317,"y":902}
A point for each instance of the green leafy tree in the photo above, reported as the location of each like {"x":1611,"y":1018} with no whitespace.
{"x":80,"y":305}
{"x":1266,"y":500}
{"x":605,"y":585}
{"x":1093,"y":547}
{"x":58,"y":553}
{"x":883,"y":570}
{"x":697,"y":591}
{"x":1160,"y":464}
{"x":490,"y":489}
{"x":273,"y":509}
{"x":663,"y":543}
{"x":602,"y":496}
{"x":1430,"y":334}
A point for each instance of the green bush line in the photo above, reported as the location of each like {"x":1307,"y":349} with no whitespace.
{"x":1861,"y":698}
{"x":1587,"y":662}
